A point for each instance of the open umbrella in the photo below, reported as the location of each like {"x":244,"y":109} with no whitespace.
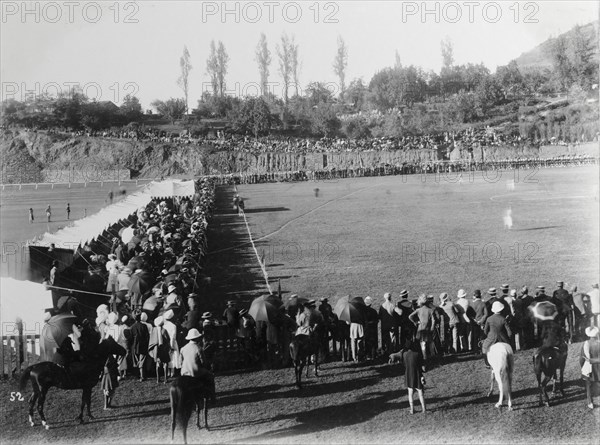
{"x":265,"y":308}
{"x":140,"y":283}
{"x":348,"y":311}
{"x":544,"y":310}
{"x":54,"y":333}
{"x":127,"y":234}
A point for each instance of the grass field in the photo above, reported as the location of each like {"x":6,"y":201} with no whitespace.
{"x":366,"y":237}
{"x":369,"y":236}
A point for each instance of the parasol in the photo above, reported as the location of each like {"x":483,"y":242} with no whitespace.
{"x":140,"y":283}
{"x":265,"y":308}
{"x":544,"y":310}
{"x":54,"y":333}
{"x":347,"y":310}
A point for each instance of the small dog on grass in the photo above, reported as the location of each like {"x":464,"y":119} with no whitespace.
{"x":395,"y":357}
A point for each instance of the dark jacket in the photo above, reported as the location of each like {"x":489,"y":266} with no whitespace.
{"x":497,"y":330}
{"x":140,"y":337}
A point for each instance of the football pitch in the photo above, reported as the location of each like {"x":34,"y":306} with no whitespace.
{"x":428,"y":233}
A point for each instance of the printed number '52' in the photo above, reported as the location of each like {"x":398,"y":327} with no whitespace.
{"x":16,"y":396}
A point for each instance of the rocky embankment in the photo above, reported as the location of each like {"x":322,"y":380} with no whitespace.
{"x":29,"y":156}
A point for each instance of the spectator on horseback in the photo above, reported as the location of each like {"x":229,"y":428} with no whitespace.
{"x":371,"y":322}
{"x":496,"y":330}
{"x":308,"y":320}
{"x":589,"y":360}
{"x":563,"y":301}
{"x":389,"y":325}
{"x":193,"y":360}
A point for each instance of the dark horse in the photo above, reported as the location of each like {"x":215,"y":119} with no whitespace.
{"x":81,"y":375}
{"x":550,"y":358}
{"x":187,"y":392}
{"x":302,"y":348}
{"x":547,"y":361}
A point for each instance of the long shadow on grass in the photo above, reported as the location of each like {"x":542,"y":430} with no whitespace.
{"x":231,"y":264}
{"x":332,"y":416}
{"x":309,"y":389}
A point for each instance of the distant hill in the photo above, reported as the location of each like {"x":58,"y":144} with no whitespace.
{"x":540,"y":57}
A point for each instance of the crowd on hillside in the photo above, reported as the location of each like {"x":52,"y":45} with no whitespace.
{"x":466,"y":139}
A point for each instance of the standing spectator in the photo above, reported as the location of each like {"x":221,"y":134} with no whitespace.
{"x":110,"y":380}
{"x":357,"y":334}
{"x":54,"y":282}
{"x":288,"y":327}
{"x":413,"y":375}
{"x":452,"y":321}
{"x":48,"y":212}
{"x":193,"y":317}
{"x":581,"y":312}
{"x":407,"y":330}
{"x":424,"y":319}
{"x":140,"y":343}
{"x":527,"y":318}
{"x":371,"y":322}
{"x":595,"y":306}
{"x":158,"y":348}
{"x":480,"y":314}
{"x":589,"y":360}
{"x":31,"y":218}
{"x":245,"y":333}
{"x":68,"y":211}
{"x":466,"y":320}
{"x":113,"y":266}
{"x":231,"y":316}
{"x":171,"y":329}
{"x":389,"y":326}
{"x":124,"y":339}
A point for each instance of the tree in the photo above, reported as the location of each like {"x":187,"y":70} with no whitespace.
{"x":318,"y":93}
{"x":131,"y":109}
{"x":356,"y":94}
{"x":222,"y":62}
{"x":294,"y":64}
{"x":584,"y":69}
{"x":562,"y":65}
{"x":510,"y":79}
{"x":323,"y":120}
{"x":252,"y":115}
{"x":397,"y":61}
{"x":67,"y":109}
{"x":186,"y":66}
{"x":339,"y":64}
{"x":172,"y":109}
{"x":263,"y":59}
{"x":285,"y":64}
{"x":447,"y":53}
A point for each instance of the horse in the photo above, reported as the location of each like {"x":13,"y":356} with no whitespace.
{"x":548,"y":360}
{"x":187,"y":392}
{"x":301,"y":349}
{"x":500,"y":358}
{"x":80,"y":375}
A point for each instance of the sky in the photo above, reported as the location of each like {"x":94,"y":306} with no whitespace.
{"x":112,"y":49}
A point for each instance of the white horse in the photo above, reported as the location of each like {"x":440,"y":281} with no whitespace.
{"x":500,"y":358}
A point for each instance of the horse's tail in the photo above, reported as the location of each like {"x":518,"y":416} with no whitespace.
{"x":24,"y":379}
{"x":506,"y":373}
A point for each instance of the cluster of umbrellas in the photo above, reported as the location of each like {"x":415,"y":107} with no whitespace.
{"x":267,"y":308}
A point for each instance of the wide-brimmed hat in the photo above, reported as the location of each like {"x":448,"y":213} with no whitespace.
{"x":505,"y":287}
{"x":193,"y":334}
{"x":323,"y":300}
{"x":462,"y":293}
{"x":492,"y":291}
{"x":310,"y":303}
{"x":403,"y":293}
{"x":541,"y":288}
{"x":560,"y":283}
{"x":207,"y":315}
{"x":171,"y":288}
{"x":497,"y":307}
{"x":231,"y":303}
{"x":591,"y":331}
